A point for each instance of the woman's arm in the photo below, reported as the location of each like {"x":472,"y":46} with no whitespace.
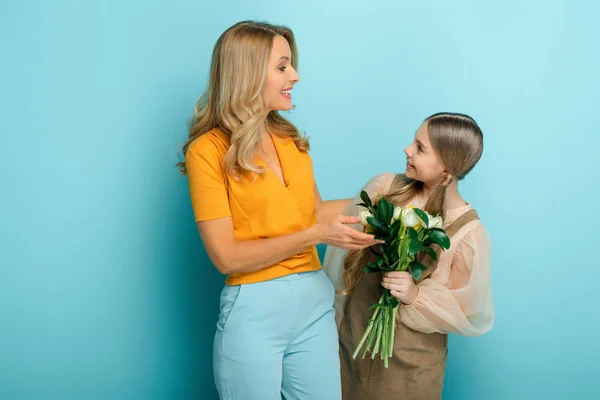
{"x":330,"y":208}
{"x":230,"y":255}
{"x":211,"y":209}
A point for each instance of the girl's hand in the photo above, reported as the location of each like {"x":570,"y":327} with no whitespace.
{"x":401,"y":286}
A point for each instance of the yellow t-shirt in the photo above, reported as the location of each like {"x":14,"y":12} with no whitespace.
{"x":260,"y":209}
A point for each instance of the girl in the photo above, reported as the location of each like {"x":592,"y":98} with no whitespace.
{"x":453,"y":295}
{"x":260,"y":216}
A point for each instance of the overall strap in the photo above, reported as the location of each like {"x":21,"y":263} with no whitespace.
{"x":451,"y":230}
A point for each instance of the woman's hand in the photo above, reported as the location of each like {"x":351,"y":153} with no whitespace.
{"x":336,"y":232}
{"x":401,"y":286}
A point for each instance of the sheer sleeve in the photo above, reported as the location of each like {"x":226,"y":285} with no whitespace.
{"x":334,"y":256}
{"x":464,"y":304}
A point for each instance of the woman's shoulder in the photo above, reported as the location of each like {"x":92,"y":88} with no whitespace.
{"x":213,"y":141}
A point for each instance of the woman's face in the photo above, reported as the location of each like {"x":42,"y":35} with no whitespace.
{"x":281,"y":76}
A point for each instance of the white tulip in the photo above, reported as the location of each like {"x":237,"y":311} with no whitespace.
{"x":409,"y":217}
{"x":397,"y":212}
{"x":364,"y":214}
{"x":435,"y":222}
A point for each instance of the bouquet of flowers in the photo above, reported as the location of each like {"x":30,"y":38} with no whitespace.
{"x":407,"y":232}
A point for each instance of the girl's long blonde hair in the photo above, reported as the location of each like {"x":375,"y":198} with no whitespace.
{"x":458,"y":142}
{"x":233,"y":101}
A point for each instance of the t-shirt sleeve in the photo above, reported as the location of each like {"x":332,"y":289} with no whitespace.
{"x":207,"y":181}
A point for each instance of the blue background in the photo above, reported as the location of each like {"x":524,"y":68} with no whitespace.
{"x":105,"y":289}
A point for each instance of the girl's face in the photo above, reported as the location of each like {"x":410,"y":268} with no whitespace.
{"x":422,"y":162}
{"x":281,"y":76}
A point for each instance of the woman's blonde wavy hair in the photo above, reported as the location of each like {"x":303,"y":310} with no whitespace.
{"x":233,"y":101}
{"x":458,"y":142}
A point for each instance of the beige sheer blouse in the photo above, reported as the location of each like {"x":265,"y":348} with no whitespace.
{"x":458,"y":296}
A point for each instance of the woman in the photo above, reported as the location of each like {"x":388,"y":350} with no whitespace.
{"x":260,"y":216}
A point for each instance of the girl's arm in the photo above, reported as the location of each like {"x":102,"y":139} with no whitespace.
{"x":464,"y":306}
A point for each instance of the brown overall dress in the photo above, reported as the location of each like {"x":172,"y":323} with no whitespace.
{"x":416,"y":369}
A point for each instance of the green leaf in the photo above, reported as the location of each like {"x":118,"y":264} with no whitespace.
{"x":365,"y":197}
{"x":370,"y":270}
{"x":372,"y":267}
{"x":392,"y":266}
{"x":374,"y":306}
{"x":393,"y":252}
{"x":431,"y":252}
{"x":416,"y":273}
{"x":377,"y":224}
{"x":395,"y":230}
{"x":440,"y":237}
{"x":365,"y":205}
{"x":422,"y":215}
{"x":416,"y":269}
{"x":383,"y":211}
{"x":390,"y":210}
{"x":382,"y":249}
{"x":413,"y":234}
{"x":415,"y":246}
{"x":418,"y":264}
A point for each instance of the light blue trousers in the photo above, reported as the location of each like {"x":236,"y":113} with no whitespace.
{"x":278,"y":339}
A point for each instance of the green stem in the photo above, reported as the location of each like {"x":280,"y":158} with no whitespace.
{"x":369,"y":328}
{"x":383,"y":332}
{"x":393,"y":330}
{"x":378,"y":340}
{"x":386,"y":334}
{"x":372,"y":337}
{"x":362,"y":340}
{"x":404,"y":265}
